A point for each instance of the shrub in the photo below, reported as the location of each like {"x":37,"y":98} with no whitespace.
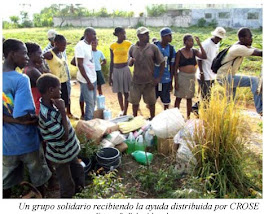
{"x":201,"y":22}
{"x":104,"y":186}
{"x":220,"y":147}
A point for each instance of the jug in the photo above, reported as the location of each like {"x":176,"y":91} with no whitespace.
{"x":139,"y":145}
{"x":100,"y":102}
{"x":107,"y":114}
{"x":130,"y":143}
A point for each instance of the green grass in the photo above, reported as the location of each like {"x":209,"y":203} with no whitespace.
{"x":251,"y":65}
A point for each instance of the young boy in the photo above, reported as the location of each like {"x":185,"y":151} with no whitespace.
{"x":99,"y":60}
{"x":62,"y":144}
{"x":21,"y":143}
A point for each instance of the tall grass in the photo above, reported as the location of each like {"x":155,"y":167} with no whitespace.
{"x":220,"y":147}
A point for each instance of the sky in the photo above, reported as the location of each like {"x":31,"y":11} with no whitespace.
{"x":13,"y":7}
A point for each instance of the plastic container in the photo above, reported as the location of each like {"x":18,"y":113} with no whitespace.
{"x":148,"y":138}
{"x":139,"y":145}
{"x":108,"y":158}
{"x":143,"y":129}
{"x":100,"y":101}
{"x":87,"y":167}
{"x":107,"y":114}
{"x":130,"y":142}
{"x":143,"y":157}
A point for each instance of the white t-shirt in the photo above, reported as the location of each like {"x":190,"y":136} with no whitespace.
{"x":84,"y":50}
{"x":211,"y":50}
{"x":235,"y":50}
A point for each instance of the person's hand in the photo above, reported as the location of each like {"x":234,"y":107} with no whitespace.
{"x":202,"y":78}
{"x":171,"y":87}
{"x":110,"y":81}
{"x":156,"y":81}
{"x":176,"y":86}
{"x":132,"y":61}
{"x":59,"y":103}
{"x":197,"y":40}
{"x":90,"y":86}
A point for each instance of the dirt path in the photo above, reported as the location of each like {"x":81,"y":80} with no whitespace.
{"x":111,"y":102}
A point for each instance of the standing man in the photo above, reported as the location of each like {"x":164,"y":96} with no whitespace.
{"x":51,"y":36}
{"x":205,"y":75}
{"x":165,"y":85}
{"x":86,"y":74}
{"x":21,"y":142}
{"x":231,"y":62}
{"x":144,"y":56}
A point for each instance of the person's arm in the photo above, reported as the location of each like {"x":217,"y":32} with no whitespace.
{"x":161,"y":68}
{"x":176,"y":70}
{"x":103,"y":62}
{"x":33,"y":75}
{"x":172,"y":68}
{"x":202,"y":54}
{"x":82,"y":70}
{"x":59,"y":103}
{"x":73,"y":62}
{"x":48,"y":55}
{"x":257,"y":52}
{"x":200,"y":65}
{"x":24,"y":120}
{"x":111,"y":67}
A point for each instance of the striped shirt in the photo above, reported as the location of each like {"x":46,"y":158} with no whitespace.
{"x":51,"y":129}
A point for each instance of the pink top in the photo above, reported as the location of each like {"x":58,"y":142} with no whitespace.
{"x":36,"y":95}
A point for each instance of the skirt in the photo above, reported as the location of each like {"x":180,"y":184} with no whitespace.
{"x":121,"y":80}
{"x":186,"y":85}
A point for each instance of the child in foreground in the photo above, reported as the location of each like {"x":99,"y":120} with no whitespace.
{"x":62,"y":144}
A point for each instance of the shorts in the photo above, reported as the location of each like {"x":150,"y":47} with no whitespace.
{"x":64,"y":93}
{"x":13,"y":169}
{"x":164,"y":94}
{"x":100,"y":78}
{"x":147,"y":90}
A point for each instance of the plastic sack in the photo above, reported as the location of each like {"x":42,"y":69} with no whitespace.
{"x":185,"y":139}
{"x":167,"y":123}
{"x":141,"y":157}
{"x":115,"y":137}
{"x":106,"y":144}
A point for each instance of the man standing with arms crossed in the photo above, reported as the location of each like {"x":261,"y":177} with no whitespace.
{"x":144,"y":56}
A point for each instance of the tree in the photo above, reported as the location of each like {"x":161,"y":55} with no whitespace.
{"x":14,"y":19}
{"x":156,"y":10}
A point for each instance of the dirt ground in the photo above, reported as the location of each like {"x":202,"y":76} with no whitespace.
{"x":111,"y":102}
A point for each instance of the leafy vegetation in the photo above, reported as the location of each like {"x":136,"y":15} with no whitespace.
{"x":104,"y":186}
{"x":156,"y":10}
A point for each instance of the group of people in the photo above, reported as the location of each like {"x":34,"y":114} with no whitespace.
{"x":36,"y":104}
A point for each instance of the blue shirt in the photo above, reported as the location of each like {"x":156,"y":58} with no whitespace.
{"x":166,"y":53}
{"x":98,"y":57}
{"x":18,"y":101}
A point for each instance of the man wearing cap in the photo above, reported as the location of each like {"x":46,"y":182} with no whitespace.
{"x":144,"y":56}
{"x":205,"y":75}
{"x":226,"y":74}
{"x":165,"y":85}
{"x":51,"y":36}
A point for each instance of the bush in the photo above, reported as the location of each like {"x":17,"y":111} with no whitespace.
{"x":104,"y":186}
{"x":201,"y":22}
{"x":213,"y":23}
